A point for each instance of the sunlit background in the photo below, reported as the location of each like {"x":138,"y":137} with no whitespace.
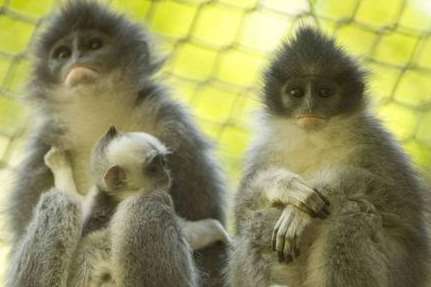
{"x":217,"y":50}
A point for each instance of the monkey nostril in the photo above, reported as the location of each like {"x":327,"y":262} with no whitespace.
{"x":325,"y":92}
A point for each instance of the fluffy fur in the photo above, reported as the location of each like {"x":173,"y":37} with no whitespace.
{"x":376,"y":232}
{"x":127,"y":96}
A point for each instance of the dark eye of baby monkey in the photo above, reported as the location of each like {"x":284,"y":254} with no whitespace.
{"x":95,"y":44}
{"x":156,"y":166}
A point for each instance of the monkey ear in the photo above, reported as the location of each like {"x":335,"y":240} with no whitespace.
{"x":109,"y":135}
{"x":111,"y":132}
{"x":115,"y":177}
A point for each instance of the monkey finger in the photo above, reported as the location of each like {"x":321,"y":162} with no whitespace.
{"x":280,"y":237}
{"x":280,"y":230}
{"x":324,"y":198}
{"x":308,"y":198}
{"x":275,"y":232}
{"x":323,"y":213}
{"x":288,"y":246}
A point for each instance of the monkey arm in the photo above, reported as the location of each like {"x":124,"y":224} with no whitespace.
{"x":61,"y":168}
{"x":198,"y":189}
{"x":43,"y":255}
{"x":281,"y":187}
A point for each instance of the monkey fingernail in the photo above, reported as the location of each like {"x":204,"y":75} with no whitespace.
{"x":280,"y":257}
{"x":322,"y":197}
{"x":288,"y":259}
{"x":324,"y":213}
{"x":274,"y":239}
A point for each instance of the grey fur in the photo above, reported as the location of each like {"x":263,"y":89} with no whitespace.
{"x":129,"y":97}
{"x":376,"y":233}
{"x":140,"y":158}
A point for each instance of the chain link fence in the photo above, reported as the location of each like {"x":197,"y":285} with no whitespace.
{"x":217,"y":49}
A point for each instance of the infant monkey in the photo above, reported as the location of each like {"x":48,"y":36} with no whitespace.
{"x":122,"y":165}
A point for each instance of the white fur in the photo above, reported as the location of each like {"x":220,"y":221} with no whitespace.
{"x":86,"y":111}
{"x":304,"y":152}
{"x":123,"y":150}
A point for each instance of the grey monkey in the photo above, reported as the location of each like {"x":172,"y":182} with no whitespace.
{"x":94,"y":68}
{"x":319,"y":136}
{"x":123,"y":165}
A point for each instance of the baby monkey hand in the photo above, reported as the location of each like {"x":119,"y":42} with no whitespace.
{"x":61,"y":168}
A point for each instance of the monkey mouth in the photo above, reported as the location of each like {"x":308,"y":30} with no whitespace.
{"x":80,"y":74}
{"x":310,"y":121}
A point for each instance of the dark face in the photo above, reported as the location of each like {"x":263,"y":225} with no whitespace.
{"x":310,"y":100}
{"x":85,"y":40}
{"x":311,"y":81}
{"x":81,"y":57}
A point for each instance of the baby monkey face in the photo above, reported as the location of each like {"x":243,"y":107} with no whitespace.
{"x":130,"y":163}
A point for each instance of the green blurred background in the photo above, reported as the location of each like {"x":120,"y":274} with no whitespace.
{"x":217,"y":50}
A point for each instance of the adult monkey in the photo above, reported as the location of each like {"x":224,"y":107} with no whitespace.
{"x":93,"y":69}
{"x":317,"y":134}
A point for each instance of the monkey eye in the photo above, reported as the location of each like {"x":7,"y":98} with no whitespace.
{"x":95,"y":44}
{"x":325,"y":92}
{"x":294,"y":92}
{"x":157,"y":164}
{"x":62,"y":52}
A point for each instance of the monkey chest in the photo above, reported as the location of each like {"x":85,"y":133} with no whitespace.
{"x":87,"y":117}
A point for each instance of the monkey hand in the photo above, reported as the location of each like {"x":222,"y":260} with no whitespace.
{"x":56,"y":160}
{"x":283,"y":187}
{"x":287,"y":233}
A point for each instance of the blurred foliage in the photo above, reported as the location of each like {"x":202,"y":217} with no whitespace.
{"x":217,"y":50}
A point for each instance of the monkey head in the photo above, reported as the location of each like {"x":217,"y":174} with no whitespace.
{"x":311,"y":80}
{"x":127,"y":163}
{"x":85,"y":41}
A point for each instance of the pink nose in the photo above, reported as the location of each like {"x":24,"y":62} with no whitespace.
{"x":309,"y":122}
{"x":80,"y":74}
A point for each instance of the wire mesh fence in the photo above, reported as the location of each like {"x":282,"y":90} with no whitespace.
{"x":217,"y":49}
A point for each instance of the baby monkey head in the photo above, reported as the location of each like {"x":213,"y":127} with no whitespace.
{"x":126,"y":163}
{"x":85,"y":40}
{"x":311,"y":80}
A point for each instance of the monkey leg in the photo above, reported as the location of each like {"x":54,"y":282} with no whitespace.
{"x":43,"y":255}
{"x":252,"y":258}
{"x":351,"y":249}
{"x":247,"y":265}
{"x":148,"y":247}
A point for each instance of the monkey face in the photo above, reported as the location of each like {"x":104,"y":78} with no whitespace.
{"x":311,"y":80}
{"x":81,"y":57}
{"x":85,"y":40}
{"x":310,"y":100}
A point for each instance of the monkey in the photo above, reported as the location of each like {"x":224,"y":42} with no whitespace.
{"x":122,"y":165}
{"x":94,"y":68}
{"x":318,"y":135}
